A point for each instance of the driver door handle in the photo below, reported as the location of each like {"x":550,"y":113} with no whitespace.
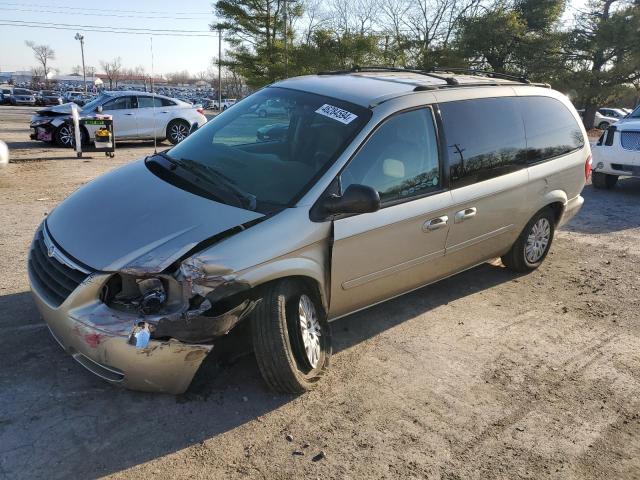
{"x":435,"y":224}
{"x":465,"y":214}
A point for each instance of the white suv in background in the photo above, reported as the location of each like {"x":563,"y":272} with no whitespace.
{"x":617,"y":152}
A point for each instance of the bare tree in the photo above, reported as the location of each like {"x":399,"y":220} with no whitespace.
{"x":43,"y":54}
{"x":113,"y":70}
{"x":76,"y":70}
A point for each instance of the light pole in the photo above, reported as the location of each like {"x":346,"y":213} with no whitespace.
{"x":219,"y":70}
{"x":84,"y":75}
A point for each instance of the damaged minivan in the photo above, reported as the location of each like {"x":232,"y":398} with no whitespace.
{"x":361,"y":186}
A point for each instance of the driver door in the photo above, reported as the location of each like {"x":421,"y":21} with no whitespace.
{"x":400,"y":247}
{"x":124,"y":111}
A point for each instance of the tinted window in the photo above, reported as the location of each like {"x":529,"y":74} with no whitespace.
{"x":119,"y":103}
{"x":148,"y":102}
{"x":166,"y":102}
{"x":551,"y":129}
{"x":485,"y":139}
{"x":400,"y":159}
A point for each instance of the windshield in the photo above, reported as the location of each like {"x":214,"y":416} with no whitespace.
{"x":95,"y":102}
{"x":268,"y":148}
{"x":635,"y":113}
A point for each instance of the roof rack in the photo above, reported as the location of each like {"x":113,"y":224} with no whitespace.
{"x":471,"y":71}
{"x":375,"y":68}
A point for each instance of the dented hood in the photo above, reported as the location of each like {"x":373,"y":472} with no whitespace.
{"x":129,"y":219}
{"x":56,"y":110}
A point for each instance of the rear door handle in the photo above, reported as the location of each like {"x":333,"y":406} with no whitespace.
{"x":465,"y":214}
{"x":128,"y":113}
{"x":435,"y":224}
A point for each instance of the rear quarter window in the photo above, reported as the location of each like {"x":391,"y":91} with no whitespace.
{"x":485,"y":139}
{"x":550,"y":128}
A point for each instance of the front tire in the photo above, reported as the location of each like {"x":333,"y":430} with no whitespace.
{"x":603,"y":181}
{"x":64,"y":136}
{"x":291,"y":336}
{"x":532,"y":246}
{"x":177,"y":131}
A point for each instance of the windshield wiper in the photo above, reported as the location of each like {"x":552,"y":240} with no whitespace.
{"x":214,"y":176}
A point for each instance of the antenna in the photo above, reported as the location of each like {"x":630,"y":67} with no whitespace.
{"x":153,"y":97}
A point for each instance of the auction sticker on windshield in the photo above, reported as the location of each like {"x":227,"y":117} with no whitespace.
{"x":337,"y":114}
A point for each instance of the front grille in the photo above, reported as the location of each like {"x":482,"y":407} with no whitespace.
{"x":53,"y":279}
{"x":630,"y":140}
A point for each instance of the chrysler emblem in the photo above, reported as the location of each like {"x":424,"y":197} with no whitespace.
{"x":51,"y":251}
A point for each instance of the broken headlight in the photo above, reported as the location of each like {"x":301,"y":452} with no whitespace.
{"x":145,"y":295}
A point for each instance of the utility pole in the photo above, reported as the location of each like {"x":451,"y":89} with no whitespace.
{"x":84,"y":75}
{"x":219,"y":70}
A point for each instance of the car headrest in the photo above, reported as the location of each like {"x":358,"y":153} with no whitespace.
{"x":393,"y":168}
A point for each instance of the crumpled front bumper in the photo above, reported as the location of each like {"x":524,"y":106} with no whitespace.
{"x":97,"y":337}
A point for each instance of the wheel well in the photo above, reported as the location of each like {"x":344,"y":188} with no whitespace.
{"x":311,"y":283}
{"x":557,"y":208}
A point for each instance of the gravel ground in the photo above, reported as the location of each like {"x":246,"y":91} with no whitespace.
{"x":485,"y":375}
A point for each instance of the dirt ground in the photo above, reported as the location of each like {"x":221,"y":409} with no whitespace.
{"x":486,"y":375}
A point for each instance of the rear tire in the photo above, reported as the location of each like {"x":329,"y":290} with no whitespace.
{"x":603,"y":181}
{"x":177,"y":131}
{"x":532,"y":246}
{"x":291,"y":358}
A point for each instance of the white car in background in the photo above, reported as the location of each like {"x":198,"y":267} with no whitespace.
{"x":617,"y":152}
{"x":600,"y":121}
{"x":618,"y":113}
{"x":136,"y":116}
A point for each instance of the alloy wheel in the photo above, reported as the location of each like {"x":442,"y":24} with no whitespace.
{"x":538,"y":240}
{"x":178,"y":132}
{"x":310,"y":329}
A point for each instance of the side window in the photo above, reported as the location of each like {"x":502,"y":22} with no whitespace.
{"x":166,"y":102}
{"x":120,"y":103}
{"x":400,"y":159}
{"x":148,"y":102}
{"x":485,"y":139}
{"x":551,"y":129}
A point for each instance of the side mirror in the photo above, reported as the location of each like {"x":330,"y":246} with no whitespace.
{"x":99,"y":109}
{"x":355,"y":199}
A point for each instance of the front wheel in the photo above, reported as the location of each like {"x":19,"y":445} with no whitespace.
{"x":603,"y":180}
{"x":177,"y":130}
{"x":291,"y":336}
{"x":531,"y":248}
{"x":603,"y":125}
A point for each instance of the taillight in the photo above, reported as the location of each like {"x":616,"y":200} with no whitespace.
{"x":200,"y":111}
{"x":587,"y":168}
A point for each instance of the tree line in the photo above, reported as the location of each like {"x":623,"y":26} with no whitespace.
{"x":593,"y":54}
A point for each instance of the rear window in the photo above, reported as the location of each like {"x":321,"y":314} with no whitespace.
{"x":485,"y":139}
{"x":551,"y":128}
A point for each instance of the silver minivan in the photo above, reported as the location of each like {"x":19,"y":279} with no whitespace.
{"x":365,"y":185}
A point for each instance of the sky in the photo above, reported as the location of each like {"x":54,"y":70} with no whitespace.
{"x":171,"y":53}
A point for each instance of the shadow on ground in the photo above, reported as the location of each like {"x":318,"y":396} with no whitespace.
{"x":609,"y":210}
{"x":58,"y":420}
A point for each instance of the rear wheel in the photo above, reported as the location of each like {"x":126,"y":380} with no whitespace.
{"x":177,"y":130}
{"x":603,"y":180}
{"x":291,"y":337}
{"x":531,"y":248}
